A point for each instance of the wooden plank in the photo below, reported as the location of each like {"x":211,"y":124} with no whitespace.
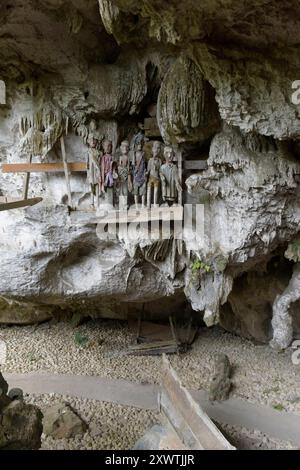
{"x":179,"y":158}
{"x":173,"y":330}
{"x":66,"y":170}
{"x":139,"y":328}
{"x":150,"y":332}
{"x":26,"y":181}
{"x":18,"y":203}
{"x":184,"y":414}
{"x":43,"y":167}
{"x":153,"y":349}
{"x":154,"y":345}
{"x":195,"y":165}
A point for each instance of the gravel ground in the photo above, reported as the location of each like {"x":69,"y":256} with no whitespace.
{"x":260,"y":374}
{"x":116,"y":427}
{"x":111,"y":427}
{"x":245,"y":439}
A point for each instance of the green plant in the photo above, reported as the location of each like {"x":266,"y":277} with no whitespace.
{"x":278,"y":407}
{"x":200,"y":266}
{"x":80,"y":340}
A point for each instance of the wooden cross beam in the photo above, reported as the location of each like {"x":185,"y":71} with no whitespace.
{"x":43,"y":167}
{"x":78,"y":167}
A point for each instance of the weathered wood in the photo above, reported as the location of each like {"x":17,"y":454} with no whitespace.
{"x":66,"y":170}
{"x":138,"y":328}
{"x":43,"y":167}
{"x":173,"y":330}
{"x":195,"y":165}
{"x":179,"y":163}
{"x":150,"y":332}
{"x":10,"y":204}
{"x":26,"y":181}
{"x":153,"y":349}
{"x":154,"y":345}
{"x":186,"y":417}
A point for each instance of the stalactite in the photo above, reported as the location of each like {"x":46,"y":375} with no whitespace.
{"x":40,"y":131}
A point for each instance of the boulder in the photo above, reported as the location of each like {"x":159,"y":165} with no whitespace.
{"x":220,"y":383}
{"x":4,"y":400}
{"x":16,"y":394}
{"x":20,"y":427}
{"x":62,"y":422}
{"x":20,"y":424}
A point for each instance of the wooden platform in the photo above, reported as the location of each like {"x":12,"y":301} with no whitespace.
{"x":10,"y":203}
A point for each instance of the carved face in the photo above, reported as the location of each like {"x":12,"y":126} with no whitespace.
{"x":140,"y":146}
{"x":124,"y":148}
{"x":168,"y":154}
{"x":156,"y":149}
{"x":107,"y":147}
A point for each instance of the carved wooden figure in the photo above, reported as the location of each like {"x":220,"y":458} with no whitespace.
{"x":107,"y":178}
{"x":169,"y":175}
{"x":124,"y":176}
{"x":153,"y":174}
{"x":139,"y":172}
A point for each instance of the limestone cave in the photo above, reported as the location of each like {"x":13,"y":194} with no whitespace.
{"x":149,"y":224}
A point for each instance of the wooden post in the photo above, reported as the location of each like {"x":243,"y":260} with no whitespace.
{"x":138,"y":333}
{"x":179,"y":157}
{"x":27,"y":180}
{"x":173,"y":331}
{"x":180,"y":196}
{"x":67,"y":175}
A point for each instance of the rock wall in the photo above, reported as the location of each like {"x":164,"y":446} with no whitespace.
{"x":221,"y":76}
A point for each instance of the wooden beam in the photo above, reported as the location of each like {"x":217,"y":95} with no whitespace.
{"x":192,"y":425}
{"x":10,"y":204}
{"x":66,"y":170}
{"x":195,"y":165}
{"x":43,"y":167}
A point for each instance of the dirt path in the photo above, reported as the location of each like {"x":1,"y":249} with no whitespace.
{"x":121,"y":392}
